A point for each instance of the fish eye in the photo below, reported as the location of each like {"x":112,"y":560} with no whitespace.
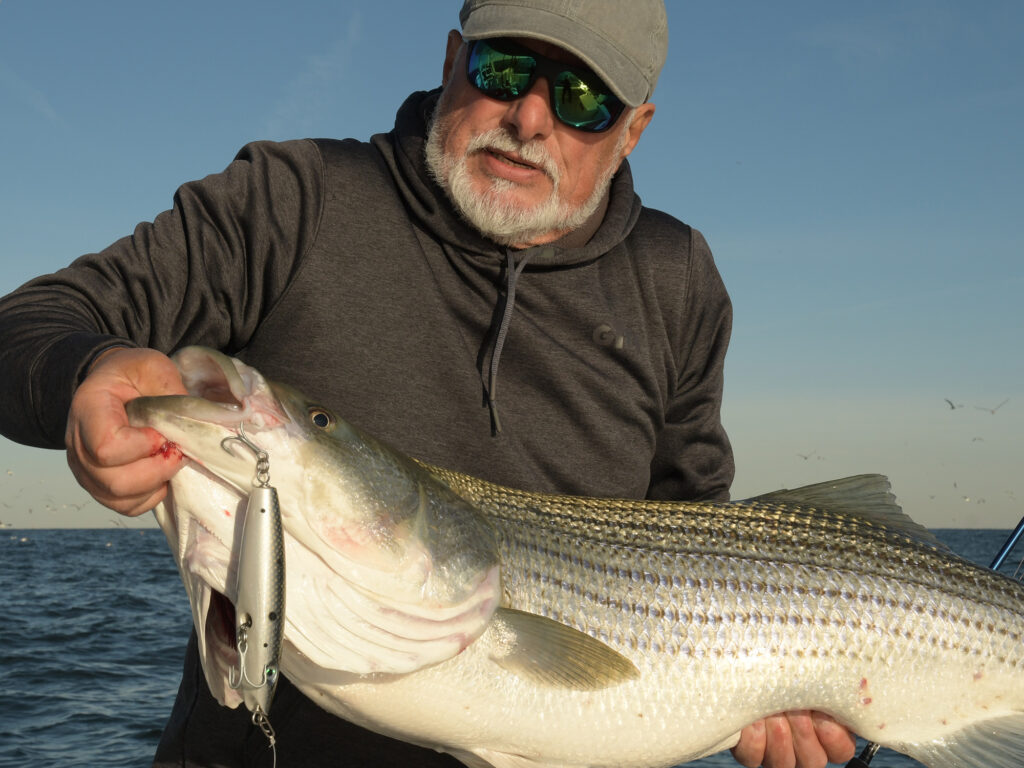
{"x":321,"y":418}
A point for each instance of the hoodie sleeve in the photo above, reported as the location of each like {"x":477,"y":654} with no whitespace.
{"x":205,"y":272}
{"x":693,"y":458}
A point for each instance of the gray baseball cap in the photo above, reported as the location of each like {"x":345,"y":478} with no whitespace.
{"x":623,"y":41}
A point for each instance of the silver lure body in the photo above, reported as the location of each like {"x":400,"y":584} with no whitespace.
{"x":260,"y":601}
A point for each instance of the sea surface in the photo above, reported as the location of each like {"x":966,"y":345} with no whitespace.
{"x":92,"y":637}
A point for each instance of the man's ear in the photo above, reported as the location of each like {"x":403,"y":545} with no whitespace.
{"x":452,"y":52}
{"x":641,"y":119}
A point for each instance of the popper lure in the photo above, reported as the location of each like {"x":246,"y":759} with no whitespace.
{"x":259,"y":605}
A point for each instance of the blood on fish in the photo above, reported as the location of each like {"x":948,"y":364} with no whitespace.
{"x":865,"y":700}
{"x":168,"y":450}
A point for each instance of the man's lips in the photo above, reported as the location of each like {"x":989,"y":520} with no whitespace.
{"x":510,"y":166}
{"x":513,"y":159}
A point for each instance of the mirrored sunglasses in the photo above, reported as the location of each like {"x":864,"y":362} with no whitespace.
{"x":506,"y":71}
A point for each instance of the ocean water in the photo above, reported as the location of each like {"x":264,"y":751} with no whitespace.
{"x":93,"y":635}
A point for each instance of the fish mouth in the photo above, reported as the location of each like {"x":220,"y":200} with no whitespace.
{"x":224,"y":398}
{"x":220,"y":390}
{"x":214,"y":377}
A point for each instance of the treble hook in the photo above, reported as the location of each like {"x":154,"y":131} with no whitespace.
{"x":262,"y":457}
{"x":237,"y":679}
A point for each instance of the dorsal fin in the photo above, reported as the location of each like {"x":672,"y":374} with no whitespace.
{"x":868,"y":497}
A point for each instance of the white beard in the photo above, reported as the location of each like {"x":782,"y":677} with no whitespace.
{"x":492,"y":213}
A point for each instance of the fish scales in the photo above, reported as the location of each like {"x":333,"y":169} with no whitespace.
{"x":824,"y":597}
{"x":645,"y":587}
{"x":754,"y":530}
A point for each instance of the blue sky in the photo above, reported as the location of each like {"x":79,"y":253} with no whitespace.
{"x":857,"y":168}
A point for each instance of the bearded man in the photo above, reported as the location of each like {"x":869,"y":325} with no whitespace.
{"x":492,"y":236}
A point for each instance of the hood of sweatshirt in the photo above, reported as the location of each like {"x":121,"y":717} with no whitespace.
{"x":403,"y":151}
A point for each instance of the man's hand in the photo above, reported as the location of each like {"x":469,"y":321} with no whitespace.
{"x":123,"y":468}
{"x":799,"y":739}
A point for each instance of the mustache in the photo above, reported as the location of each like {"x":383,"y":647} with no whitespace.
{"x":502,"y":140}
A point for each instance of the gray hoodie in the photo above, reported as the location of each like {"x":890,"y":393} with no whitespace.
{"x":340,"y":267}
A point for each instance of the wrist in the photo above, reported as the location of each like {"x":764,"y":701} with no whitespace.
{"x":98,"y":356}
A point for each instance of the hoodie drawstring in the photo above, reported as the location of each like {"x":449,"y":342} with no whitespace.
{"x":512,"y":272}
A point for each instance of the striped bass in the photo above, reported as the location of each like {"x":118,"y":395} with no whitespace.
{"x":515,"y":629}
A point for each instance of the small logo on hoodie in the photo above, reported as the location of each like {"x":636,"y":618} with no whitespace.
{"x":607,"y":336}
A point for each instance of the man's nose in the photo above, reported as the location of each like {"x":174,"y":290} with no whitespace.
{"x":530,"y":116}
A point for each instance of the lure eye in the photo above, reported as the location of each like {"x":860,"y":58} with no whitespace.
{"x":321,"y":418}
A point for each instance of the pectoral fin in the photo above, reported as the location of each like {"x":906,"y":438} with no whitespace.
{"x":553,"y":654}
